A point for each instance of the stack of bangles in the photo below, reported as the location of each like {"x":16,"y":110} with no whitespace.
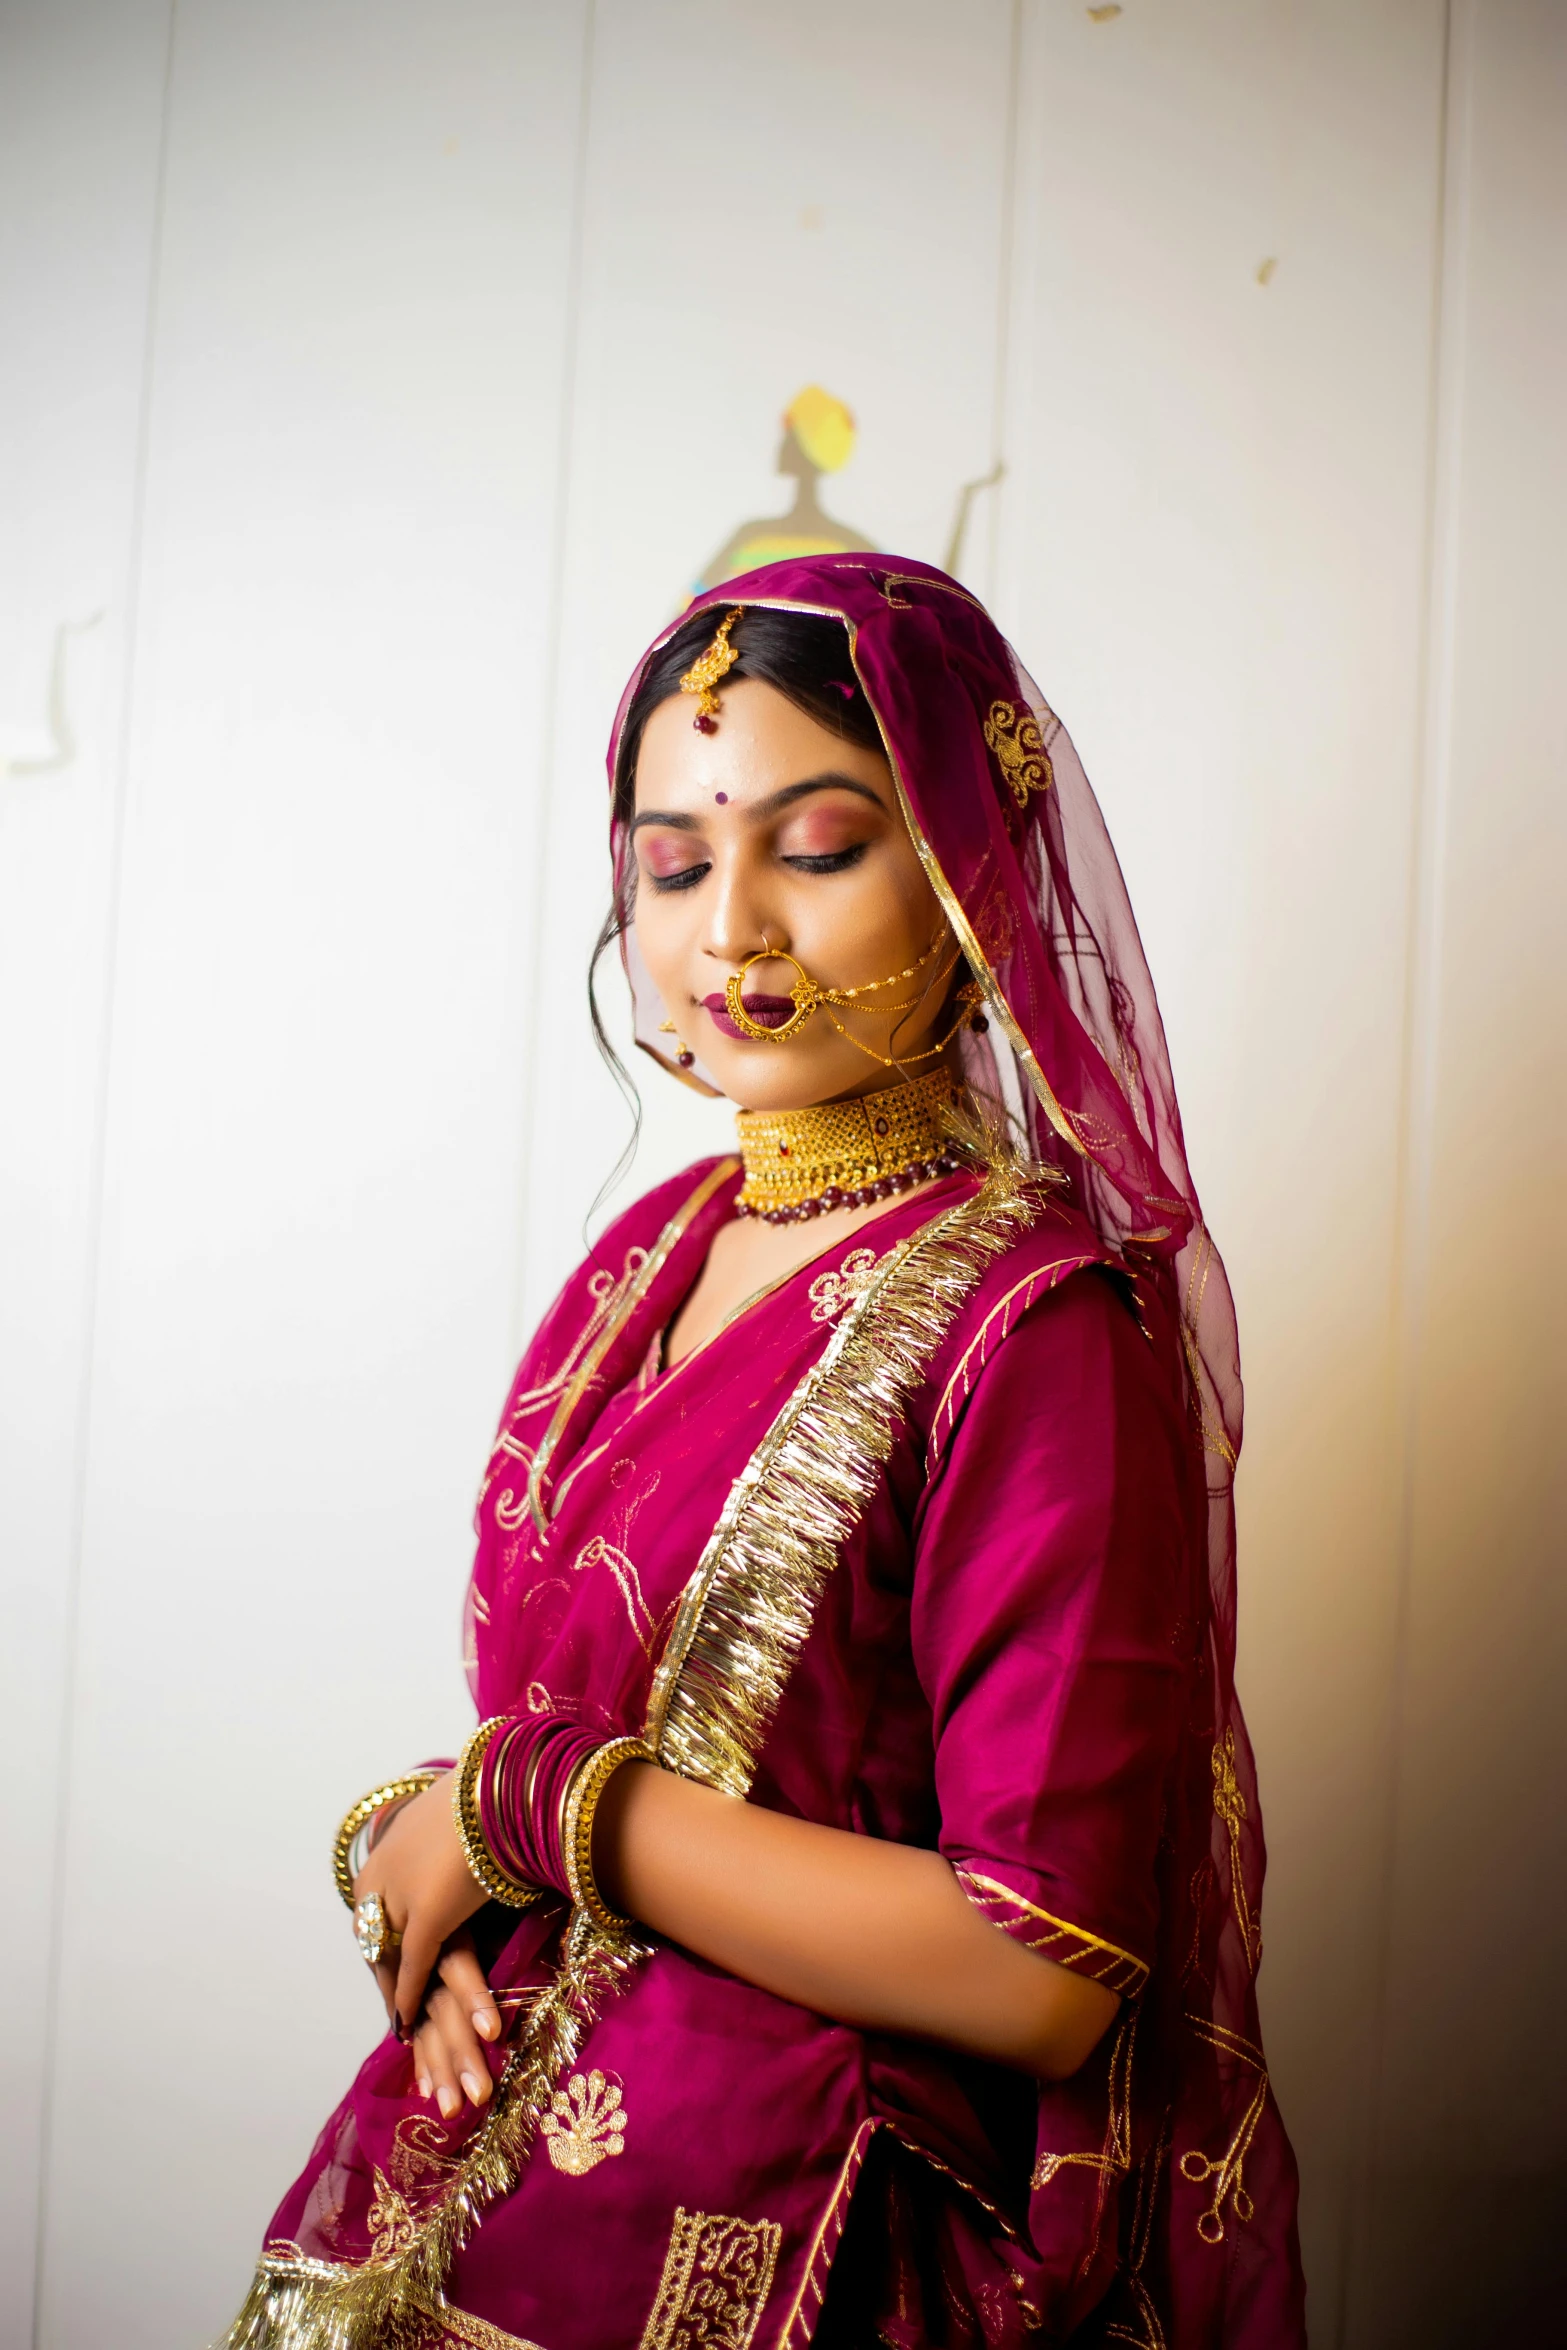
{"x":525,"y":1802}
{"x":525,"y":1799}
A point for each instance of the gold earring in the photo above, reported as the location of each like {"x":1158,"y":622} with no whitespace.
{"x":685,"y":1056}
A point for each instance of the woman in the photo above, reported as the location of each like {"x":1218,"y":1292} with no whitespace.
{"x":843,"y":1925}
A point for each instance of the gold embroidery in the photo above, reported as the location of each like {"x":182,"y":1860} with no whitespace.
{"x":319,"y":2305}
{"x":1230,"y":1804}
{"x":1014,"y":736}
{"x":1114,"y":2158}
{"x":1228,"y":2168}
{"x":391,"y":2221}
{"x":831,"y":1292}
{"x":458,"y":2329}
{"x":421,"y":2152}
{"x":1069,"y":1946}
{"x":746,"y":1611}
{"x":1148,"y":2333}
{"x":618,"y":1309}
{"x":586,"y":2124}
{"x":717,"y":2275}
{"x":599,"y":1553}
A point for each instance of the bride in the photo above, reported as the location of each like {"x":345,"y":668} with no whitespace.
{"x":842,"y":1925}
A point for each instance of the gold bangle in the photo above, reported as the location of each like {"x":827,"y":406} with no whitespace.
{"x":482,"y":1865}
{"x":576,"y":1830}
{"x":412,"y":1783}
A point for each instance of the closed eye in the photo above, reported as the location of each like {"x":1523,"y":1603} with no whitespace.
{"x":686,"y":878}
{"x":833,"y":861}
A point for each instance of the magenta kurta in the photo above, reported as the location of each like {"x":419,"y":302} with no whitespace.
{"x":1002,"y":1660}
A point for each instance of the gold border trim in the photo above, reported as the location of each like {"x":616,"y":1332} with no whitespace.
{"x":985,"y":1891}
{"x":748,"y":1607}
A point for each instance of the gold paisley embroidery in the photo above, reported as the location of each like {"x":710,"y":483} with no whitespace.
{"x":1228,"y":2168}
{"x":421,"y":2153}
{"x":586,"y":2124}
{"x":1014,"y":736}
{"x":717,"y":2275}
{"x":830,"y":1292}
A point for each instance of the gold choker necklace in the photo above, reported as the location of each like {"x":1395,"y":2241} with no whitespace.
{"x":801,"y":1163}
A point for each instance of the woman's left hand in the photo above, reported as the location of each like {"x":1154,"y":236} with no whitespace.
{"x":417,"y":1867}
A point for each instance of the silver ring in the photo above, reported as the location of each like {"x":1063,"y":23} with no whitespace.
{"x":374,"y":1932}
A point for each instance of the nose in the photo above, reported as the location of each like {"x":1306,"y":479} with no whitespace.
{"x":740,"y":922}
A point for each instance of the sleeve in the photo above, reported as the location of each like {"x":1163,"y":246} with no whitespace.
{"x":1051,"y":1624}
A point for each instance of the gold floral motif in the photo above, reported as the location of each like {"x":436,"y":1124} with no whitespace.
{"x":391,"y":2221}
{"x":586,"y":2124}
{"x":831,"y":1292}
{"x":717,"y":2275}
{"x":1013,"y":735}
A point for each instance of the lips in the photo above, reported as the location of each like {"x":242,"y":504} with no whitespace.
{"x":768,"y":1011}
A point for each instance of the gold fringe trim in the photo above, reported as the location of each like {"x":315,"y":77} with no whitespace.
{"x":747,"y":1609}
{"x":387,"y":2303}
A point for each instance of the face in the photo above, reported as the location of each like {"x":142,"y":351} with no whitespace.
{"x":772,"y":832}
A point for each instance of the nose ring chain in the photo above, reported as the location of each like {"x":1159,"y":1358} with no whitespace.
{"x":809,"y":996}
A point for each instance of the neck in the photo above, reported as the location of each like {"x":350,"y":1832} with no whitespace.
{"x":841,"y":1154}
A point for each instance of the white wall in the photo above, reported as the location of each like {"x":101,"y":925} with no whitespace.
{"x":382,"y":375}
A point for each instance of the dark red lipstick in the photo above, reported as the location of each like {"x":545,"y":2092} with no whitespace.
{"x":768,"y":1011}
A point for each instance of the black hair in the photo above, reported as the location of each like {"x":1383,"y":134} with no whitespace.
{"x":802,"y":655}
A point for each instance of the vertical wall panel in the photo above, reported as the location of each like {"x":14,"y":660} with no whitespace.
{"x":776,"y":196}
{"x":81,"y":103}
{"x":1212,"y":553}
{"x":315,"y":1115}
{"x":1460,"y":2241}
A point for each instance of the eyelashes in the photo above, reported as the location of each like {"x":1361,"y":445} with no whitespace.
{"x":834,"y":861}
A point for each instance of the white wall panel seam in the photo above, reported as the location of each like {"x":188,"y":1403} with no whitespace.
{"x":1422,"y":1005}
{"x":65,"y":1747}
{"x":1008,"y":294}
{"x":548,"y":729}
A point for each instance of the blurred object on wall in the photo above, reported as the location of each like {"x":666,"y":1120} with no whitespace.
{"x":819,"y":434}
{"x":818,"y":438}
{"x":60,"y":731}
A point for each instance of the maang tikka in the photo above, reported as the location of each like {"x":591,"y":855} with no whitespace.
{"x":705,"y":673}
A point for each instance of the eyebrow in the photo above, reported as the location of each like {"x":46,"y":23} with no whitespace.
{"x":771,"y":805}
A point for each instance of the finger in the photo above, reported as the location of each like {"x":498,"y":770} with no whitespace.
{"x":386,"y":1982}
{"x":423,"y":2078}
{"x":437,"y":2069}
{"x":463,"y":2052}
{"x":464,"y":1978}
{"x":418,"y":1955}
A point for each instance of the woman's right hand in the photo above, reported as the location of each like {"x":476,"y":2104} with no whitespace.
{"x":459,"y":2012}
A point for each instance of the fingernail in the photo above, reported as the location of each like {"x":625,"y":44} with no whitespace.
{"x":400,"y":2028}
{"x":424,"y":2085}
{"x":448,"y":2101}
{"x":486,"y":2021}
{"x":472,"y":2084}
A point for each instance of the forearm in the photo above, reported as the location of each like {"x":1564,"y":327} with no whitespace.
{"x":875,"y":1934}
